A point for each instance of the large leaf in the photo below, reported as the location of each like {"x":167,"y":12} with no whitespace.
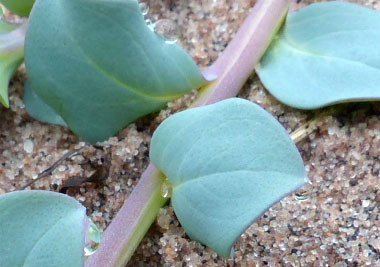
{"x":11,"y":56}
{"x":228,"y":162}
{"x":97,"y":64}
{"x":41,"y":228}
{"x":38,"y":109}
{"x":19,"y":7}
{"x":326,"y":53}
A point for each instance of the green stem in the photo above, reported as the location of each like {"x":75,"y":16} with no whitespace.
{"x":232,"y":69}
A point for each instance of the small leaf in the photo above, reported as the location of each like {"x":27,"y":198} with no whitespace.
{"x":38,"y":109}
{"x":19,"y":7}
{"x":11,"y":56}
{"x":41,"y":228}
{"x":100,"y":67}
{"x":327,"y":53}
{"x":6,"y":27}
{"x":228,"y":163}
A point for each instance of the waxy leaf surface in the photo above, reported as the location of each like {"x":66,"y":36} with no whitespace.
{"x":228,"y":163}
{"x":38,"y":109}
{"x":41,"y":228}
{"x":19,"y":7}
{"x":98,"y":66}
{"x":326,"y":53}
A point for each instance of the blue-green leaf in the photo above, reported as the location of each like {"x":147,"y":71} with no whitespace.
{"x":228,"y":162}
{"x":41,"y":228}
{"x":38,"y":109}
{"x":19,"y":7}
{"x":327,"y":53}
{"x":97,"y":64}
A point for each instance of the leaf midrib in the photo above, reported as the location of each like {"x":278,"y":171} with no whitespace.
{"x":41,"y":237}
{"x":286,"y":41}
{"x":115,"y":79}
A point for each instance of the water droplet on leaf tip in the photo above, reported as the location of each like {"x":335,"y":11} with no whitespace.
{"x":150,"y":24}
{"x":144,"y":8}
{"x":171,"y":42}
{"x":166,"y":189}
{"x":168,"y":30}
{"x":92,"y":239}
{"x":232,"y":253}
{"x":209,"y":76}
{"x":89,"y":250}
{"x":258,"y":66}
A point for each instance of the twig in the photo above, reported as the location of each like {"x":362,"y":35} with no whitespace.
{"x":49,"y":170}
{"x":314,"y":123}
{"x":304,"y":130}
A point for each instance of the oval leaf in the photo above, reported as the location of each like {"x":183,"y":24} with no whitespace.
{"x":41,"y":228}
{"x":326,"y":53}
{"x":100,"y":67}
{"x":19,"y":7}
{"x":228,"y":163}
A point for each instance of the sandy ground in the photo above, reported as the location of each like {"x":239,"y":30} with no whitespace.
{"x":337,"y":225}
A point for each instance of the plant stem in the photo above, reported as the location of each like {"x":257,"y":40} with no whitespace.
{"x":128,"y":228}
{"x":232,"y":69}
{"x":237,"y":62}
{"x":303,"y":131}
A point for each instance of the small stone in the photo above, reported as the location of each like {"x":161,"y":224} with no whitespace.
{"x":365,"y":203}
{"x":28,"y":146}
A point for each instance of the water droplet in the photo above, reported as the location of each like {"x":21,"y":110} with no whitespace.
{"x":144,"y":8}
{"x":166,"y":189}
{"x":232,"y":253}
{"x":150,"y":24}
{"x":258,"y":66}
{"x":305,"y":191}
{"x":209,"y":75}
{"x":92,"y":238}
{"x":168,"y":30}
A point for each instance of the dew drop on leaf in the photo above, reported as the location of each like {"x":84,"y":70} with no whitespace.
{"x":232,"y":253}
{"x":150,"y":24}
{"x":305,"y":191}
{"x":166,"y":189}
{"x":168,"y":30}
{"x":92,"y":239}
{"x":144,"y":8}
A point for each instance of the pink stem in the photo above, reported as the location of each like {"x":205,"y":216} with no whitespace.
{"x":127,"y":229}
{"x":231,"y":69}
{"x":238,"y":60}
